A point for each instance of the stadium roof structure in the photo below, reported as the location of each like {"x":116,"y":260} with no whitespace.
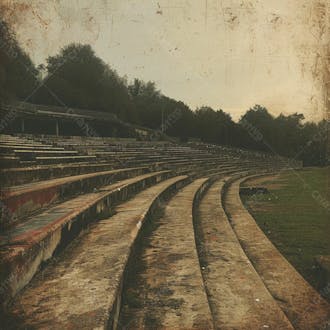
{"x":21,"y":111}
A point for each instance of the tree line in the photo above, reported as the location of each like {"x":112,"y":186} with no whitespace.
{"x":78,"y":78}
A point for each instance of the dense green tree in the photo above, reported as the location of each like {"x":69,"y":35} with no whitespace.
{"x":76,"y":77}
{"x":147,"y":103}
{"x":18,"y":75}
{"x":80,"y":79}
{"x":257,"y":123}
{"x":214,"y":126}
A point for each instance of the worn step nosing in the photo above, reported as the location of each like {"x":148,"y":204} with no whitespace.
{"x":232,"y":239}
{"x":20,"y":262}
{"x":23,"y":202}
{"x":115,"y":306}
{"x":293,"y":297}
{"x":110,"y":305}
{"x":205,"y":182}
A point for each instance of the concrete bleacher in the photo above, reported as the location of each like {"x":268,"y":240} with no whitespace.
{"x":300,"y":302}
{"x":99,"y":192}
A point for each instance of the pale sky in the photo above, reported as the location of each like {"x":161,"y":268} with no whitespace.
{"x":228,"y":54}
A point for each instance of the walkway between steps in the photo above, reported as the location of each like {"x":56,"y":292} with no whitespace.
{"x":169,"y":291}
{"x":82,"y":288}
{"x":238,"y":297}
{"x":303,"y":305}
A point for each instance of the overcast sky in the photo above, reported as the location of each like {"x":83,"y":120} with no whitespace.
{"x":226,"y":54}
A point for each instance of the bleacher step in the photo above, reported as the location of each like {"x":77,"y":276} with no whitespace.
{"x":85,"y":283}
{"x":21,"y":201}
{"x":167,"y":289}
{"x":18,"y":176}
{"x":63,"y":159}
{"x":237,"y":295}
{"x":26,"y":246}
{"x":302,"y":304}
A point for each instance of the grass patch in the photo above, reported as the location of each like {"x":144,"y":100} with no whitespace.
{"x":295,"y":216}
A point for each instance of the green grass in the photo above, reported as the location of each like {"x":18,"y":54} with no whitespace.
{"x":295,"y":217}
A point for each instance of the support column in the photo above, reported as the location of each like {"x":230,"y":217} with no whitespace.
{"x":57,"y":128}
{"x":22,"y":125}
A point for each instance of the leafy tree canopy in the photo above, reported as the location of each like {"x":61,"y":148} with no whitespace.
{"x":77,"y":77}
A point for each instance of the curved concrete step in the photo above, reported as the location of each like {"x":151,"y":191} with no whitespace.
{"x":304,"y":307}
{"x":5,"y":147}
{"x":24,"y":200}
{"x":237,"y":296}
{"x":85,"y":283}
{"x":44,"y":152}
{"x":168,"y":292}
{"x":63,"y":159}
{"x":8,"y":161}
{"x":26,"y":246}
{"x":18,"y":176}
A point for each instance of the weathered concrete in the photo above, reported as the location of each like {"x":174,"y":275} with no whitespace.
{"x":304,"y":307}
{"x":86,"y":269}
{"x":237,"y":296}
{"x":25,"y":247}
{"x":85,"y":283}
{"x":6,"y":147}
{"x":171,"y":285}
{"x":64,"y":159}
{"x":22,"y":201}
{"x":17,"y":176}
{"x":8,"y":161}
